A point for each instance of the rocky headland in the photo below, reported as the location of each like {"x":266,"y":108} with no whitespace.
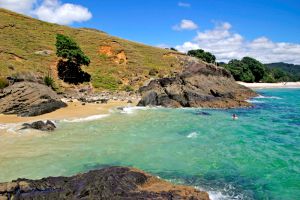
{"x":108,"y":183}
{"x":199,"y":85}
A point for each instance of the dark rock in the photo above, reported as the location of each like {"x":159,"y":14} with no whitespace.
{"x":129,"y":101}
{"x":109,"y":183}
{"x":202,"y":113}
{"x":40,"y":125}
{"x":29,"y":99}
{"x":199,"y":85}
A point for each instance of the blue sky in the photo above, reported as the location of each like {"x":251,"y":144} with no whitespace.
{"x":265,"y":29}
{"x":151,"y":21}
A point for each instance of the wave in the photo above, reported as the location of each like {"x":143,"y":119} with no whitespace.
{"x":192,"y":135}
{"x":222,"y":195}
{"x":85,"y":119}
{"x":267,"y":97}
{"x":254,"y":101}
{"x":131,"y":110}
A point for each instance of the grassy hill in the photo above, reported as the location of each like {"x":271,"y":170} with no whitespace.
{"x":28,"y":45}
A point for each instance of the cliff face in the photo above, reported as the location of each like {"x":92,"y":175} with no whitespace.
{"x":108,"y":183}
{"x":198,"y":85}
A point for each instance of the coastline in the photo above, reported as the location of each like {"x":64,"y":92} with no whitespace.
{"x":270,"y":85}
{"x":72,"y":111}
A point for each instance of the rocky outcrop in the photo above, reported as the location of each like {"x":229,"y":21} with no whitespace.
{"x":40,"y":125}
{"x":29,"y":99}
{"x":108,"y":183}
{"x":198,"y":85}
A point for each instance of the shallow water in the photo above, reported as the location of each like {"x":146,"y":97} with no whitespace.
{"x":254,"y":157}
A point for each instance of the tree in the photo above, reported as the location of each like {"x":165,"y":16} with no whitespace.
{"x":72,"y":58}
{"x":201,"y":54}
{"x":256,"y":67}
{"x":240,"y":71}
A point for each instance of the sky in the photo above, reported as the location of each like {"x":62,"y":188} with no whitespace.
{"x":267,"y":30}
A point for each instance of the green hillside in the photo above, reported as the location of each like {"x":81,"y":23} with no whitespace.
{"x":28,"y":45}
{"x":291,"y":69}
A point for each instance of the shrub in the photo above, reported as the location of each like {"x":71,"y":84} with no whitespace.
{"x":128,"y":88}
{"x":3,"y":83}
{"x":202,"y":55}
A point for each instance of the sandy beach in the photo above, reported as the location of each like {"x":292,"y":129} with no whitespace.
{"x":271,"y":85}
{"x":72,"y":111}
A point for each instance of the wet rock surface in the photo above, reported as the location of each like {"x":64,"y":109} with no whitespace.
{"x":108,"y":183}
{"x":198,"y":85}
{"x":40,"y":125}
{"x":29,"y":99}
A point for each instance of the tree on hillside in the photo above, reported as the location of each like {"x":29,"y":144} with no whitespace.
{"x":240,"y":71}
{"x":72,"y":58}
{"x":256,"y":67}
{"x":203,"y":55}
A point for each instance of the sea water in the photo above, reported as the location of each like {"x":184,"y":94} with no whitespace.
{"x":254,"y":157}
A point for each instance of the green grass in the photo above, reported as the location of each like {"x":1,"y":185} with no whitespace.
{"x":20,"y":42}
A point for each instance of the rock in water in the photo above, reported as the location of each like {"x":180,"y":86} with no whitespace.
{"x":199,"y":85}
{"x":40,"y":125}
{"x":108,"y":183}
{"x":29,"y":99}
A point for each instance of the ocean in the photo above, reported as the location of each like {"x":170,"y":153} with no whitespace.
{"x":254,"y":157}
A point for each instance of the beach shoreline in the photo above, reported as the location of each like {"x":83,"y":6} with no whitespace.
{"x":74,"y":110}
{"x":270,"y":85}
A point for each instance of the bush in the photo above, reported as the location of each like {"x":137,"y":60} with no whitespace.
{"x":128,"y":88}
{"x":49,"y":81}
{"x":3,"y":83}
{"x":202,"y":55}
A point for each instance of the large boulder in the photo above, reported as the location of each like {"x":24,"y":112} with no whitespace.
{"x":29,"y":99}
{"x":108,"y":183}
{"x":198,"y":85}
{"x":40,"y":125}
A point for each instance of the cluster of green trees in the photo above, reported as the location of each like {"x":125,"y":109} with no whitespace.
{"x":247,"y":69}
{"x":251,"y":70}
{"x":203,"y":55}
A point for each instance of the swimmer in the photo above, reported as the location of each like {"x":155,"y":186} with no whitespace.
{"x":234,"y":117}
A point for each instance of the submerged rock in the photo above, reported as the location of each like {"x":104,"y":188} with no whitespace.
{"x":29,"y":99}
{"x":40,"y":125}
{"x":199,"y":85}
{"x":108,"y":183}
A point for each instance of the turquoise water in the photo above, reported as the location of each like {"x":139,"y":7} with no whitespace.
{"x":254,"y":157}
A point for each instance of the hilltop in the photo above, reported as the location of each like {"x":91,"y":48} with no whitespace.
{"x":28,"y":46}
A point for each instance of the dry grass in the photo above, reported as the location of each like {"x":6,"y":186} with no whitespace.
{"x":21,"y":37}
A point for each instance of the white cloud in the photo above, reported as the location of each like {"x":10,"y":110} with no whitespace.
{"x":163,"y":46}
{"x":49,"y":10}
{"x":185,"y":24}
{"x":56,"y":12}
{"x":20,"y":6}
{"x":183,"y":4}
{"x":226,"y":45}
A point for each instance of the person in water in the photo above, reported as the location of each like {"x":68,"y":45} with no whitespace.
{"x":234,"y":117}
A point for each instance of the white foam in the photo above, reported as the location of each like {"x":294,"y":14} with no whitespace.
{"x":192,"y":135}
{"x":218,"y":195}
{"x":267,"y":97}
{"x":131,"y":110}
{"x":254,"y":101}
{"x":85,"y":119}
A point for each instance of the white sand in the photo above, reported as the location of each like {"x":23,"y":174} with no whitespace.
{"x":271,"y":85}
